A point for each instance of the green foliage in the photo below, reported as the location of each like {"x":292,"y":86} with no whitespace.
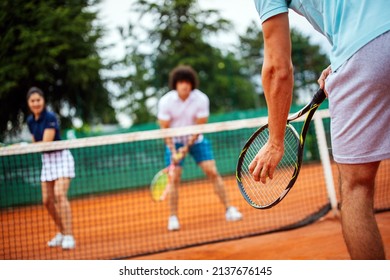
{"x":177,"y":32}
{"x":177,"y":35}
{"x":51,"y":44}
{"x":308,"y":61}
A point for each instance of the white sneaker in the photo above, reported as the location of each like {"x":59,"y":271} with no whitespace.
{"x":68,"y":242}
{"x":173,"y":223}
{"x":56,"y":240}
{"x":232,"y":214}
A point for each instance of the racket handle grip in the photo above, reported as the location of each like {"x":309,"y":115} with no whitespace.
{"x":319,"y":97}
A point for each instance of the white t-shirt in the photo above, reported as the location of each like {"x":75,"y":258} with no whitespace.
{"x":183,"y":113}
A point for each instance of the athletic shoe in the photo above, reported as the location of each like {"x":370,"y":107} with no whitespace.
{"x":232,"y":214}
{"x":173,"y":223}
{"x":68,"y":242}
{"x":56,"y":240}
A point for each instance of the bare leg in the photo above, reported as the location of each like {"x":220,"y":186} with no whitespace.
{"x":173,"y":191}
{"x":63,"y":205}
{"x":48,"y":200}
{"x":210,"y":169}
{"x":360,"y":230}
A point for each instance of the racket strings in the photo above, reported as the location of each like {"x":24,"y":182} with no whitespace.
{"x":265,"y":194}
{"x":159,"y":184}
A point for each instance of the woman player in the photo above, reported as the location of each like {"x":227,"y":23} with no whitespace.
{"x":57,"y":169}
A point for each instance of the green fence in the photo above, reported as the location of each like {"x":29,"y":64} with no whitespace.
{"x":109,"y":168}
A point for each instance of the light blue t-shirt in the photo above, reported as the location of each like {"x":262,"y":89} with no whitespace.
{"x":348,"y":25}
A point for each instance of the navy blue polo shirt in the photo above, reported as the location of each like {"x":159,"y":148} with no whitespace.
{"x":45,"y":120}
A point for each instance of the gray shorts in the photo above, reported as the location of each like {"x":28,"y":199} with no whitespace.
{"x":359,"y":105}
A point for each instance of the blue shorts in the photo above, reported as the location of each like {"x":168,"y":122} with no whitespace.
{"x":199,"y":151}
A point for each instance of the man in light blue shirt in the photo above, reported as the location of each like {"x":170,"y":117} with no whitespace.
{"x":358,"y":89}
{"x":348,"y":25}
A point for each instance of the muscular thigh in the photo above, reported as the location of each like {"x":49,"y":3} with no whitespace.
{"x":358,"y":174}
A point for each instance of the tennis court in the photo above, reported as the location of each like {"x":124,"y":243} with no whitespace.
{"x":123,"y":222}
{"x":321,"y":240}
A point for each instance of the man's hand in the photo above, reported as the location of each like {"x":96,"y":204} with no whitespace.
{"x":177,"y":156}
{"x":182,"y":152}
{"x":324,"y":75}
{"x":265,"y":162}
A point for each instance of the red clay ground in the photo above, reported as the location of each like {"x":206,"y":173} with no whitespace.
{"x":127,"y":224}
{"x":320,"y":241}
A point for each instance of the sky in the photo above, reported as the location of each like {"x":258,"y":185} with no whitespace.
{"x":115,"y":13}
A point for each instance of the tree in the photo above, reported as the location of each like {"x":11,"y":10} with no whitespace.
{"x":176,"y":33}
{"x":308,"y":61}
{"x":307,"y":58}
{"x":51,"y":44}
{"x":251,"y":52}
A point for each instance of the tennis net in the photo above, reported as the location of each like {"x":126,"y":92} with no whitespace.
{"x":114,"y":216}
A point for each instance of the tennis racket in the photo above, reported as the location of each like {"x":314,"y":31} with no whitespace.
{"x":159,"y":187}
{"x":263,"y":196}
{"x":160,"y":182}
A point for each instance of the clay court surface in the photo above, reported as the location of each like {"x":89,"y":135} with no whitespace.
{"x":319,"y":241}
{"x":108,"y":226}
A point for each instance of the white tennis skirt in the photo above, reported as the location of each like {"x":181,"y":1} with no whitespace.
{"x":57,"y":164}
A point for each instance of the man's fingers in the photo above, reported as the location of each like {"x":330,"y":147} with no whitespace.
{"x":256,"y":172}
{"x":271,"y":172}
{"x":264,"y":174}
{"x":325,"y":73}
{"x":252,"y":165}
{"x":321,"y":82}
{"x":259,"y":171}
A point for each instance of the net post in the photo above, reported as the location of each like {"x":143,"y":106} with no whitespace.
{"x":325,"y":160}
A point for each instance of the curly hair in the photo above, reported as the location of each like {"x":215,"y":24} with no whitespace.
{"x":183,"y":73}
